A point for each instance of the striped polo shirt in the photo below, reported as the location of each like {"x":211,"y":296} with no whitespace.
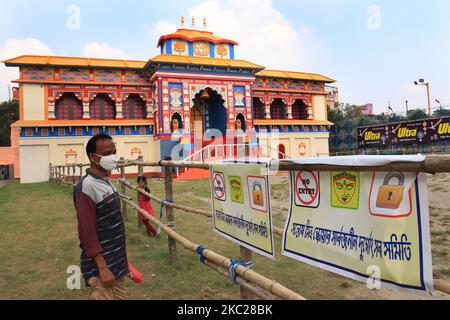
{"x":100,"y":226}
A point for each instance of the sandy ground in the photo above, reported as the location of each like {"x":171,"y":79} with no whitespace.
{"x":439,"y":198}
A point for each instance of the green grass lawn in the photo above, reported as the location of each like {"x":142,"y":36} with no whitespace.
{"x":38,"y":238}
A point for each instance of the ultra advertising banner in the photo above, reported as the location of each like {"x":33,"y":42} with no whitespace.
{"x":405,"y":133}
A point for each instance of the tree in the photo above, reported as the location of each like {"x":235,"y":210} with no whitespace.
{"x":416,"y":114}
{"x":9,"y":113}
{"x":441,"y":113}
{"x":335,"y":114}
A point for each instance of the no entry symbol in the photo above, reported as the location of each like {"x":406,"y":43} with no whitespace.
{"x":307,"y":189}
{"x":219,"y":186}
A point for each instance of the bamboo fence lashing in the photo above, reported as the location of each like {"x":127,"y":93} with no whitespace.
{"x":270,"y":285}
{"x":205,"y":213}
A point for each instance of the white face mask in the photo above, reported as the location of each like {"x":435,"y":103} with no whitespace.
{"x":108,"y":163}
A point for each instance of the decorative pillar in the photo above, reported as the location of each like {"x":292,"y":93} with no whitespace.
{"x":119,"y":110}
{"x":150,"y":110}
{"x":267,"y":109}
{"x":289,"y":110}
{"x":51,"y":110}
{"x":310,"y":111}
{"x":86,"y":109}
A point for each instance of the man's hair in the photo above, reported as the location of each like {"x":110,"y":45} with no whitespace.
{"x":91,"y":146}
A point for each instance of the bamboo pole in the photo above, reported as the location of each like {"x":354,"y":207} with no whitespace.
{"x":205,"y":213}
{"x":258,"y":292}
{"x":123,"y":189}
{"x":270,"y":285}
{"x":247,"y":257}
{"x":139,"y":225}
{"x":170,"y":214}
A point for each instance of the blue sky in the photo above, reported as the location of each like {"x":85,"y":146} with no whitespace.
{"x":375,"y":63}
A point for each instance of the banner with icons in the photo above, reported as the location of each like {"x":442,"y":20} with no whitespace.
{"x":362,"y":225}
{"x":241,"y":205}
{"x":405,"y":133}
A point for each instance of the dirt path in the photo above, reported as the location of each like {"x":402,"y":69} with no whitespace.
{"x":2,"y":183}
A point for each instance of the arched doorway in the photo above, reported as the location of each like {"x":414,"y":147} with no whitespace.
{"x":102,"y":108}
{"x":299,"y":110}
{"x":277,"y":109}
{"x":197,"y":125}
{"x":134,"y":108}
{"x":69,"y":107}
{"x":209,"y":112}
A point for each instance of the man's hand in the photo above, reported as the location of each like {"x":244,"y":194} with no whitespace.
{"x":106,"y":277}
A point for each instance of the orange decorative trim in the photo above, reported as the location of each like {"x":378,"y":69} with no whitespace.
{"x":89,"y":83}
{"x":21,"y":107}
{"x":292,"y":122}
{"x":267,"y":89}
{"x":71,"y":123}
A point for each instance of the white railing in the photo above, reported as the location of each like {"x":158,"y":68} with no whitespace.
{"x":214,"y":152}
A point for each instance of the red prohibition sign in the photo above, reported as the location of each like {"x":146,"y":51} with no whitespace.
{"x":312,"y":196}
{"x":218,"y":177}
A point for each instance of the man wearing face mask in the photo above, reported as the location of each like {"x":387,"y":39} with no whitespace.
{"x":101,"y":229}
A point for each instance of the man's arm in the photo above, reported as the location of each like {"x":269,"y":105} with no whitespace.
{"x":87,"y":233}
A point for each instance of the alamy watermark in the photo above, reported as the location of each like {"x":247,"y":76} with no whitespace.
{"x":73,"y":21}
{"x":374,"y":20}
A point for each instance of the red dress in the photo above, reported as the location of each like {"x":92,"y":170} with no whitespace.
{"x":145,"y":204}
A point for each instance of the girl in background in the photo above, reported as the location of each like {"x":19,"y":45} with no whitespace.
{"x":144,"y":203}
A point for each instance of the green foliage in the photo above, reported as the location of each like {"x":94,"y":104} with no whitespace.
{"x":441,"y":113}
{"x":416,"y":114}
{"x":9,"y":113}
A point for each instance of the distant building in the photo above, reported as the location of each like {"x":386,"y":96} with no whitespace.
{"x":367,"y":109}
{"x":333,"y":95}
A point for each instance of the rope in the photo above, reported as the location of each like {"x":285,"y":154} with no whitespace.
{"x":161,"y":214}
{"x":200,"y":250}
{"x":238,"y":262}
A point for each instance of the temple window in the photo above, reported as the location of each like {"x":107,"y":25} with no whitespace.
{"x":68,"y":107}
{"x":299,"y":110}
{"x":134,"y":108}
{"x":277,"y":109}
{"x":102,"y":108}
{"x":258,"y":109}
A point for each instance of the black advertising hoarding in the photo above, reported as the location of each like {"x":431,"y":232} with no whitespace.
{"x":405,"y":133}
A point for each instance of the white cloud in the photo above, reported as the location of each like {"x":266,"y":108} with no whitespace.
{"x":13,"y":48}
{"x":103,"y":50}
{"x":264,"y":35}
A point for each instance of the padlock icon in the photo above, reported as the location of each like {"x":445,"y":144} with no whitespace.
{"x":258,"y":196}
{"x":391,"y":196}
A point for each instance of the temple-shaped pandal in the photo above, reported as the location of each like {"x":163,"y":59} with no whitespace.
{"x":194,"y":85}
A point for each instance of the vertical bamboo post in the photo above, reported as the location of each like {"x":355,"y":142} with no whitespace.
{"x":73,"y":175}
{"x":123,"y":189}
{"x":140,"y":172}
{"x":58,"y":174}
{"x":81,"y":171}
{"x":168,"y":182}
{"x":51,"y":172}
{"x":246,"y":256}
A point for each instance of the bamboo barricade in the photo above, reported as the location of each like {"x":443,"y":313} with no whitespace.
{"x":432,"y":164}
{"x":271,"y":286}
{"x":200,"y":212}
